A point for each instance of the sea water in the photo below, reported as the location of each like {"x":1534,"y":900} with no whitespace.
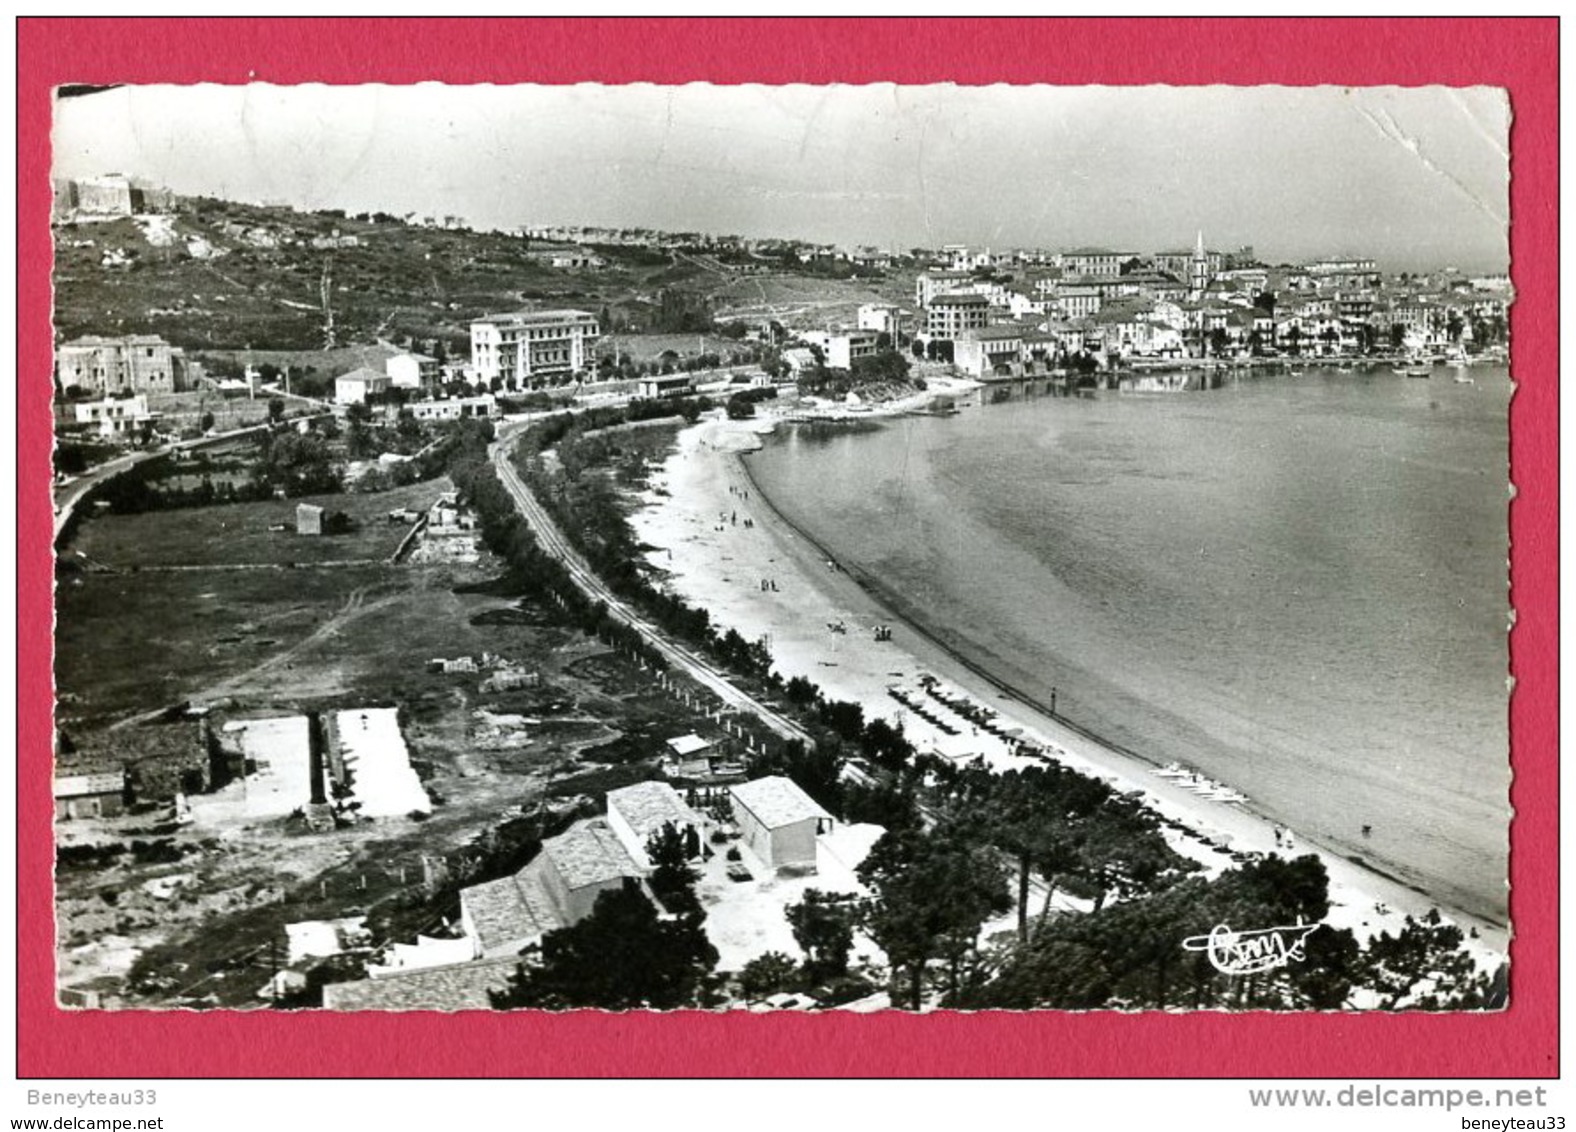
{"x":1296,"y":584}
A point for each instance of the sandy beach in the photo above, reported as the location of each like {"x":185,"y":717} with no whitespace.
{"x":723,"y":547}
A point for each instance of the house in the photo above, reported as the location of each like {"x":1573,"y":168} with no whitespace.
{"x":779,"y":821}
{"x":658,"y":386}
{"x":638,"y":813}
{"x":691,"y":756}
{"x":990,"y":351}
{"x":933,"y":283}
{"x":842,"y":349}
{"x":136,"y":363}
{"x":115,"y":416}
{"x":462,"y":986}
{"x":950,"y":315}
{"x":100,"y":795}
{"x":558,"y":888}
{"x":411,"y":371}
{"x":106,"y":195}
{"x":355,"y":387}
{"x":1095,"y":261}
{"x":883,"y":318}
{"x":527,"y":349}
{"x":455,"y":408}
{"x":309,"y":519}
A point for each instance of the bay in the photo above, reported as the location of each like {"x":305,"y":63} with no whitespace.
{"x":1296,"y":584}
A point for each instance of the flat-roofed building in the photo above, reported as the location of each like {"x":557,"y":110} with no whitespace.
{"x":949,"y":316}
{"x":90,"y":795}
{"x":528,"y":349}
{"x":411,"y":371}
{"x":779,"y":821}
{"x":1095,"y":261}
{"x":842,"y":348}
{"x":114,"y":416}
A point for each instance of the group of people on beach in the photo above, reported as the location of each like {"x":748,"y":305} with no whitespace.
{"x":769,"y":585}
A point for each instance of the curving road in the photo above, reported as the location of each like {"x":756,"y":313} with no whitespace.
{"x":553,"y":541}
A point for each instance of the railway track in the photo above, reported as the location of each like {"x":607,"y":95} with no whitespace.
{"x":677,"y":655}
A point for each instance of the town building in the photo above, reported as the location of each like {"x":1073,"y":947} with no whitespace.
{"x":411,"y":371}
{"x":992,"y":350}
{"x":114,"y":417}
{"x":778,"y":821}
{"x":558,"y":888}
{"x":1095,"y":261}
{"x":455,"y":408}
{"x":100,"y":795}
{"x":883,"y":318}
{"x":638,"y":813}
{"x":950,"y":316}
{"x":137,"y":363}
{"x":1078,"y":300}
{"x":528,"y":349}
{"x":842,"y":349}
{"x":106,"y":195}
{"x":359,"y":385}
{"x":665,"y":385}
{"x":933,"y":283}
{"x":1196,"y":268}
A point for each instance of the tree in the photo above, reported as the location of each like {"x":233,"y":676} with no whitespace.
{"x":932,"y":892}
{"x":672,"y":879}
{"x":207,"y":422}
{"x":620,"y":957}
{"x":823,"y":928}
{"x":1422,"y":967}
{"x":768,"y":974}
{"x":276,"y":409}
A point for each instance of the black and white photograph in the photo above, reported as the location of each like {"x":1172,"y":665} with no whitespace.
{"x":782,"y":548}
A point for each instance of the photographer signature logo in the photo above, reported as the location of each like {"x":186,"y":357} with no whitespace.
{"x":1244,"y":953}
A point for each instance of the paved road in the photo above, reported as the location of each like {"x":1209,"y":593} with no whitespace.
{"x":553,"y":541}
{"x":67,"y":498}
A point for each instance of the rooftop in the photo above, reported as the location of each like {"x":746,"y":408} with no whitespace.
{"x":78,"y":785}
{"x":536,"y":318}
{"x":463,"y":986}
{"x":589,"y":853}
{"x":514,"y":908}
{"x":364,"y":374}
{"x":687,"y":745}
{"x":1001,"y":332}
{"x":777,"y":801}
{"x":648,"y":806}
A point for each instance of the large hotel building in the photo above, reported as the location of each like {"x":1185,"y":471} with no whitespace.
{"x":532,"y":347}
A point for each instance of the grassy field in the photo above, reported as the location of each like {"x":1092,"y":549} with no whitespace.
{"x":240,"y":534}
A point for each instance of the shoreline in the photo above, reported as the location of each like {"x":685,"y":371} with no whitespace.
{"x":710,"y":561}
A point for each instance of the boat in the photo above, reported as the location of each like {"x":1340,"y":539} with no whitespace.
{"x":1463,"y":379}
{"x":1414,"y":371}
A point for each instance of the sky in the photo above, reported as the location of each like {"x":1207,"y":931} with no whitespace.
{"x":1416,"y":178}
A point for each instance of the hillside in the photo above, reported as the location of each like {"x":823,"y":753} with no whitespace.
{"x":224,"y":275}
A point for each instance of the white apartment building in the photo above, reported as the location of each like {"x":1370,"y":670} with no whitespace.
{"x":530,"y":348}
